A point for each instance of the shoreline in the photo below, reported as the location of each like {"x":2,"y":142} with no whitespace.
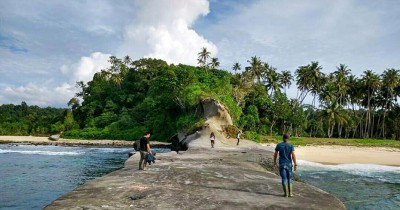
{"x":74,"y":142}
{"x":335,"y":155}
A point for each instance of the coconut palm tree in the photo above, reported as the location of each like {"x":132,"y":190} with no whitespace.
{"x":273,"y":81}
{"x":204,"y":54}
{"x":214,"y":63}
{"x":390,"y":81}
{"x":303,"y":83}
{"x":236,"y":67}
{"x":355,"y":94}
{"x":341,"y":76}
{"x":371,"y":83}
{"x":117,"y":79}
{"x":334,"y":113}
{"x":317,"y":79}
{"x":286,"y":79}
{"x":310,"y":79}
{"x":255,"y":67}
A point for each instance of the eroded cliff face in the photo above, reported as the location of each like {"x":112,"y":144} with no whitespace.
{"x":217,"y":117}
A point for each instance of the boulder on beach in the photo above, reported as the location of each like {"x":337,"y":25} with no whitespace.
{"x":54,"y":137}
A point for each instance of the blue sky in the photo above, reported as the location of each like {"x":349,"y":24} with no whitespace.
{"x":46,"y":46}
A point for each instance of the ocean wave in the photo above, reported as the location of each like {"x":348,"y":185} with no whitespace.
{"x":353,"y":168}
{"x":38,"y":152}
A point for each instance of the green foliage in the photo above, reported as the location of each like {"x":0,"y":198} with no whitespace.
{"x":234,"y":110}
{"x":231,"y":131}
{"x":252,"y":135}
{"x":189,"y":123}
{"x":30,"y":120}
{"x":148,"y":94}
{"x":97,"y":133}
{"x":130,"y":97}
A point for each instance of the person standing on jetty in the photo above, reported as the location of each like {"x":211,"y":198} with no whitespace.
{"x":212,"y":139}
{"x":144,"y":150}
{"x":286,"y":156}
{"x":238,"y":137}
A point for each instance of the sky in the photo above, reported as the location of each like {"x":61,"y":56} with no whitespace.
{"x":46,"y":46}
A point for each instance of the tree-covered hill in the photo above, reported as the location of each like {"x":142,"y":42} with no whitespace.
{"x":131,"y":97}
{"x":33,"y":120}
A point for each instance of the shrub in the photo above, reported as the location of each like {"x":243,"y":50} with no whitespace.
{"x":231,"y":131}
{"x":252,"y":135}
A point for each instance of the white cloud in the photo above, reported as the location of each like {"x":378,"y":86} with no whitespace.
{"x":86,"y":67}
{"x":162,"y":29}
{"x":49,"y":92}
{"x":40,"y":94}
{"x":289,"y":33}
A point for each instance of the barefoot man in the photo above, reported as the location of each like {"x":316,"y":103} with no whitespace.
{"x":286,"y":155}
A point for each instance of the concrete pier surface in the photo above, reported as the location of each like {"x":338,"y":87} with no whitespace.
{"x":225,"y":177}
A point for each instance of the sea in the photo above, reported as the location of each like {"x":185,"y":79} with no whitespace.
{"x":31,"y":177}
{"x":358,"y":186}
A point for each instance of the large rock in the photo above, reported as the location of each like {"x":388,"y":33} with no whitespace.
{"x":197,"y":179}
{"x":217,"y":118}
{"x":54,"y":137}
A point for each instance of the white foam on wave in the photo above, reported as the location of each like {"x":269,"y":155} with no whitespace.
{"x":349,"y":167}
{"x":38,"y":152}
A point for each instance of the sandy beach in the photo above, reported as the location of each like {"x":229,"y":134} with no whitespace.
{"x":349,"y":155}
{"x":70,"y":142}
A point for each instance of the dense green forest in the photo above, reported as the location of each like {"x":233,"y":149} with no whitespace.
{"x":33,"y":120}
{"x":130,"y":97}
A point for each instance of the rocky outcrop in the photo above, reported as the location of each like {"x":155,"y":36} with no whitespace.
{"x":217,"y":117}
{"x":195,"y":179}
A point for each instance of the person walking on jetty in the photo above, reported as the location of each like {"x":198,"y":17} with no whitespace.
{"x":238,"y":137}
{"x":286,"y":156}
{"x":212,"y":139}
{"x":144,"y":149}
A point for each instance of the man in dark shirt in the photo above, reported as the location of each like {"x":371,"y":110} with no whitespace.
{"x":286,"y":155}
{"x":144,"y":148}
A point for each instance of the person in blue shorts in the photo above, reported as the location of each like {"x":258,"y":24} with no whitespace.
{"x":286,"y":156}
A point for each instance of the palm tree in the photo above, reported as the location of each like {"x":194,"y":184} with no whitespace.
{"x":117,"y":79}
{"x":273,"y":80}
{"x":341,"y":75}
{"x":303,"y":83}
{"x":214,"y":63}
{"x":334,"y":113}
{"x":309,"y":79}
{"x":236,"y":67}
{"x":317,"y":79}
{"x":371,"y":82}
{"x":255,"y":67}
{"x":390,"y":81}
{"x":204,"y":54}
{"x":286,"y":79}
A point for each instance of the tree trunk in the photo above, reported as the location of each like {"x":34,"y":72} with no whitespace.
{"x":272,"y":125}
{"x":329,"y":128}
{"x":368,"y":117}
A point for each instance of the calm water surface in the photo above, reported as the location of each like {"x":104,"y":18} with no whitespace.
{"x":31,"y":177}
